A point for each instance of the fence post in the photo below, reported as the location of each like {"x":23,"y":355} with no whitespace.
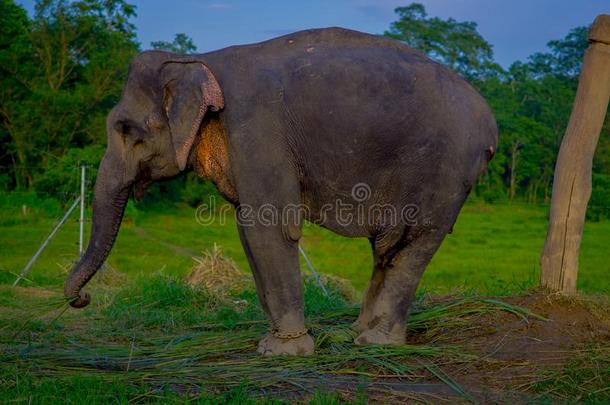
{"x":572,"y":180}
{"x":27,"y":267}
{"x":82,"y":210}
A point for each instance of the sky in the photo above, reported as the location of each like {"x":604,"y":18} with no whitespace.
{"x":515,"y":28}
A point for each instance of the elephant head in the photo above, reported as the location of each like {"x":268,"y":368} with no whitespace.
{"x":150,"y":135}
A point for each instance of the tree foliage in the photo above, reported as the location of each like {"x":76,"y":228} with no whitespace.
{"x":455,"y":44}
{"x":62,"y":70}
{"x":181,"y":44}
{"x":532,"y":101}
{"x":563,"y":59}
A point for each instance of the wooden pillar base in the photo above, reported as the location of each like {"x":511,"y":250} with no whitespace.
{"x":572,"y":181}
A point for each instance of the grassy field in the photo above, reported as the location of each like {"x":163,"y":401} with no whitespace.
{"x":159,"y":340}
{"x":148,"y":337}
{"x":494,"y":249}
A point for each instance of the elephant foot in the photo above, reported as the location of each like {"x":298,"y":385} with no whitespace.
{"x":360,"y":325}
{"x":271,"y":345}
{"x":376,"y":337}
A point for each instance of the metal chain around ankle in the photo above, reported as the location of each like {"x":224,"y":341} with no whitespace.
{"x":290,"y":335}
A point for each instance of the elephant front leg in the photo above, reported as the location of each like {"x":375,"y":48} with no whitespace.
{"x":275,"y":265}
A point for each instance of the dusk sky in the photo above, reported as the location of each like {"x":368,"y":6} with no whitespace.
{"x":516,"y":28}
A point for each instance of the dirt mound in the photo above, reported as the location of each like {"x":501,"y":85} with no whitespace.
{"x":570,"y":323}
{"x":517,"y":354}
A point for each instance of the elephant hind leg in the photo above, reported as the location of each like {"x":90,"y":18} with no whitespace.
{"x":372,"y":292}
{"x":395,"y":279}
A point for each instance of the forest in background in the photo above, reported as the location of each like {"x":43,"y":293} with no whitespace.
{"x":62,"y":69}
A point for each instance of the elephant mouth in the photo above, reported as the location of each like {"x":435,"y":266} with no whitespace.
{"x":140,"y":188}
{"x":141,"y":184}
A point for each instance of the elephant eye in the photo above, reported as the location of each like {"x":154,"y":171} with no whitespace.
{"x":122,"y":127}
{"x":126,"y":127}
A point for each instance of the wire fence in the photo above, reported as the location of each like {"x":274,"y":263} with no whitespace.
{"x":79,"y":200}
{"x":78,"y":197}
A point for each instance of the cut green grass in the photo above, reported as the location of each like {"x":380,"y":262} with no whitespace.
{"x":158,"y":338}
{"x":585,"y":379}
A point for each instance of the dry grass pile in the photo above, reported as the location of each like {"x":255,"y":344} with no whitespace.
{"x":342,"y":286}
{"x":218,"y":273}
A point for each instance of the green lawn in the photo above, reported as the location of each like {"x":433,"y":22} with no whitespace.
{"x":156,"y":339}
{"x":493,"y":249}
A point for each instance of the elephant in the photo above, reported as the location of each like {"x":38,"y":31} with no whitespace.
{"x":355,"y":132}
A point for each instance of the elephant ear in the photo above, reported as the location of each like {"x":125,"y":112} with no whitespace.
{"x":190,"y":89}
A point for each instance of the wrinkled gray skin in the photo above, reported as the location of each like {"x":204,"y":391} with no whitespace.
{"x":307,"y":116}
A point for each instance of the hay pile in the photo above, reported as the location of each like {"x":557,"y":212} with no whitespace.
{"x":342,"y":286}
{"x":218,"y":273}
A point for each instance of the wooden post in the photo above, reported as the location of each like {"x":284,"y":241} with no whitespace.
{"x":572,"y":181}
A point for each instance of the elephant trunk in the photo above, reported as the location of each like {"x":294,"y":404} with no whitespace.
{"x":110,"y":198}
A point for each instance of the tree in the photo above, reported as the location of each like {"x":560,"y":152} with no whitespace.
{"x":14,"y":49}
{"x":565,"y":56}
{"x":61,"y":73}
{"x":455,"y":44}
{"x":532,"y":101}
{"x":181,"y":44}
